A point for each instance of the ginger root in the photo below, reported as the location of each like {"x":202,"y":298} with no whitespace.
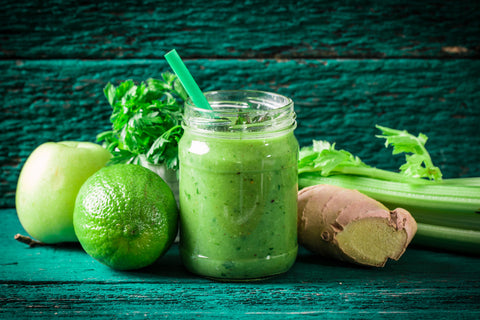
{"x":350,"y":226}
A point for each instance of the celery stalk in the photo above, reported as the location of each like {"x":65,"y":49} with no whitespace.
{"x":446,"y":238}
{"x":446,"y":210}
{"x":467,"y":182}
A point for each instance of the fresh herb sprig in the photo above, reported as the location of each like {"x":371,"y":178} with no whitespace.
{"x":322,"y":157}
{"x":146,"y":121}
{"x":418,"y":162}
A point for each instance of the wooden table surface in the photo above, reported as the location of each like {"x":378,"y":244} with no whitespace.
{"x":47,"y":282}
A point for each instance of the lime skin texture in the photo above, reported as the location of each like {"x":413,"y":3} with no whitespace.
{"x":125,"y":216}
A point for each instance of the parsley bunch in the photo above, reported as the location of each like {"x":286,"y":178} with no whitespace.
{"x":146,"y":121}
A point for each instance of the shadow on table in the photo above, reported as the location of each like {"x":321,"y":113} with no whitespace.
{"x":167,"y":266}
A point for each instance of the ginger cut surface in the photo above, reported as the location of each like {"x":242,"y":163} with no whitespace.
{"x":350,"y":226}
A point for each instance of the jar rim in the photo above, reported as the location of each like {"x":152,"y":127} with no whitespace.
{"x":241,"y":110}
{"x":238,"y":93}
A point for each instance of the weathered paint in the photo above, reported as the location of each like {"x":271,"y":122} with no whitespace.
{"x":44,"y":282}
{"x":336,"y":100}
{"x":242,"y":29}
{"x":348,"y":66}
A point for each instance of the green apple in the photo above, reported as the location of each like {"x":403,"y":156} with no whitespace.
{"x":48,"y":186}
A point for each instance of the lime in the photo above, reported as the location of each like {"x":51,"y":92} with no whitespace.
{"x":125,"y":216}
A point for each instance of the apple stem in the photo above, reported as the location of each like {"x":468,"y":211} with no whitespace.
{"x":27,"y":240}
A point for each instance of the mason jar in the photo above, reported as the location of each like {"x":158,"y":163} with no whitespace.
{"x":238,"y":186}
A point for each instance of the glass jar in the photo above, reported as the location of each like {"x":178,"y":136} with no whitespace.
{"x":238,"y":186}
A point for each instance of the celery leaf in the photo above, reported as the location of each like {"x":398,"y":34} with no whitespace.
{"x":418,"y":163}
{"x":324,"y":158}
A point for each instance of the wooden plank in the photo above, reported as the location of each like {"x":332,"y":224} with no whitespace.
{"x":64,"y":281}
{"x":226,"y":28}
{"x":336,"y":100}
{"x":346,"y":299}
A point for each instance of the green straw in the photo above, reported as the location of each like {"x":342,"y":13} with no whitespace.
{"x":187,"y":80}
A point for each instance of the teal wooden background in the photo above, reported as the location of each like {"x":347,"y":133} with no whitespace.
{"x":348,"y":65}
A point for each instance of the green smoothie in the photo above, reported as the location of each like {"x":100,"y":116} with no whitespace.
{"x":238,"y":186}
{"x":238,"y":200}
